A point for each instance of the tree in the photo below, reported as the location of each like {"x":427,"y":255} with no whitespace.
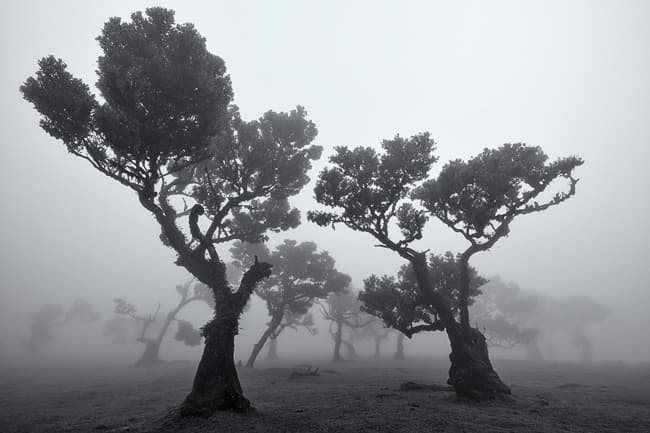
{"x":185,"y":333}
{"x":478,"y":199}
{"x":343,"y":310}
{"x":399,"y":351}
{"x":292,"y":321}
{"x":509,"y":316}
{"x":400,"y":304}
{"x":52,"y":315}
{"x":301,"y":276}
{"x":572,"y":314}
{"x":166,"y":130}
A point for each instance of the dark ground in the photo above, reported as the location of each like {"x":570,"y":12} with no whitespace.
{"x":360,"y":396}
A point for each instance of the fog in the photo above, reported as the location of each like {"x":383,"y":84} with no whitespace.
{"x":571,"y":77}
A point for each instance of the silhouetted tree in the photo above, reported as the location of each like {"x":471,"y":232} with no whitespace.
{"x":51,"y":315}
{"x":400,"y":304}
{"x":478,"y":199}
{"x":164,"y":128}
{"x":43,"y":321}
{"x":301,"y":276}
{"x":294,"y":321}
{"x":186,"y":331}
{"x":343,"y":310}
{"x":574,"y":313}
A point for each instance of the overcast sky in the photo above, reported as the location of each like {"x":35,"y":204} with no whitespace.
{"x":570,"y":76}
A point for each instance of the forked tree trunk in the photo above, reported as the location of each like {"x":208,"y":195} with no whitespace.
{"x":471,"y":372}
{"x":272,"y":354}
{"x":399,"y":353}
{"x":150,"y":355}
{"x":216,"y":384}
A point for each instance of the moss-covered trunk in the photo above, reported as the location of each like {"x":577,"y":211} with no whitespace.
{"x":471,"y":372}
{"x":216,"y":383}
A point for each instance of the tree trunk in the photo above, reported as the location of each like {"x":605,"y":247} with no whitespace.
{"x":275,"y":322}
{"x":150,"y":355}
{"x":399,"y":353}
{"x":377,"y":347}
{"x":471,"y":372}
{"x":352,"y":352}
{"x":532,"y":351}
{"x":272,"y":354}
{"x":216,"y":384}
{"x":338,"y":338}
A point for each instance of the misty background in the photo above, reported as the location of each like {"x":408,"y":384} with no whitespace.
{"x":572,"y":77}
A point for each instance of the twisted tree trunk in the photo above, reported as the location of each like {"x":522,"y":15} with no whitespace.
{"x":471,"y":372}
{"x":216,"y":383}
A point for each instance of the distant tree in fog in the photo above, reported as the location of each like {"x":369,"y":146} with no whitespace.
{"x":574,"y":314}
{"x":165,"y":128}
{"x":509,"y":316}
{"x":479,"y":198}
{"x":301,"y":275}
{"x":375,"y":331}
{"x":293,"y":321}
{"x":185,"y":331}
{"x":343,"y":310}
{"x":43,"y":322}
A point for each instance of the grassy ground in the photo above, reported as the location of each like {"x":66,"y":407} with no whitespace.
{"x":360,"y":396}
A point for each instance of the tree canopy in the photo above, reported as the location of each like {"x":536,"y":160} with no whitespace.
{"x":400,"y":304}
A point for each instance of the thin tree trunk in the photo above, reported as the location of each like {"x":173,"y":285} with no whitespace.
{"x":272,"y":354}
{"x":352,"y":352}
{"x":152,"y":349}
{"x":338,"y":338}
{"x":377,"y":347}
{"x":399,"y":353}
{"x":275,"y":322}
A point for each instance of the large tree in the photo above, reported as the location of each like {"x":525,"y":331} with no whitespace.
{"x":401,"y":305}
{"x":478,"y":198}
{"x":185,"y":332}
{"x":165,"y":128}
{"x":301,"y":276}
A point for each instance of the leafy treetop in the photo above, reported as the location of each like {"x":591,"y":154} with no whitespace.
{"x":166,"y":129}
{"x":372,"y":190}
{"x":480,"y":197}
{"x":301,"y":275}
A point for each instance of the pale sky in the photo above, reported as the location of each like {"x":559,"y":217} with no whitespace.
{"x":570,"y":76}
